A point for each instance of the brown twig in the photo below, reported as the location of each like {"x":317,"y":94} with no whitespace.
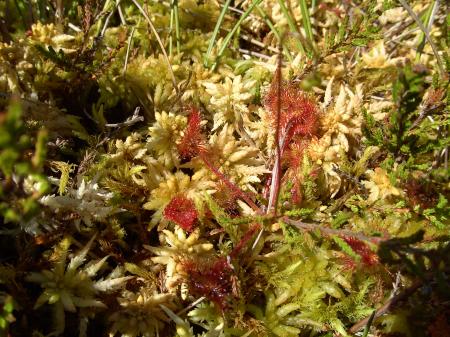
{"x":424,"y":112}
{"x":331,"y":231}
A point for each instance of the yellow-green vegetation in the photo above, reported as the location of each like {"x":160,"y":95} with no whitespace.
{"x":224,"y":168}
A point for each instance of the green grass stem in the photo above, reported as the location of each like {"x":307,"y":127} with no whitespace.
{"x":216,"y":32}
{"x":306,"y":21}
{"x":414,"y":16}
{"x":426,"y":20}
{"x":369,"y":323}
{"x":292,"y":25}
{"x":275,"y":32}
{"x":171,"y":23}
{"x":177,"y":25}
{"x":227,"y":39}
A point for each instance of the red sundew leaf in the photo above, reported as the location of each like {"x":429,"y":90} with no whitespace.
{"x":181,"y":210}
{"x":369,"y":258}
{"x":294,"y":154}
{"x":211,"y":280}
{"x":227,"y":199}
{"x":192,"y":142}
{"x":298,"y":112}
{"x":216,"y":280}
{"x":293,"y":158}
{"x":348,"y":263}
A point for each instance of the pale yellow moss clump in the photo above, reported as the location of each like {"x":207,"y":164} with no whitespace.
{"x":229,"y":99}
{"x":342,"y":125}
{"x":196,"y":90}
{"x":260,"y":128}
{"x":240,"y":162}
{"x":178,"y":246}
{"x":151,"y":80}
{"x":51,"y":36}
{"x":16,"y":64}
{"x":379,"y":108}
{"x":140,"y":313}
{"x":379,"y":185}
{"x":393,"y":15}
{"x":174,"y":184}
{"x":377,"y":57}
{"x":164,"y":134}
{"x":131,"y":148}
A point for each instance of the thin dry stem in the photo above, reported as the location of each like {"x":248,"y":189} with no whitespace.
{"x":158,"y":38}
{"x":230,"y":185}
{"x":128,"y":51}
{"x":330,"y":231}
{"x":427,"y":37}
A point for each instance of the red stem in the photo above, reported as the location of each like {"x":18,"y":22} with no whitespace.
{"x":229,"y":184}
{"x":276,"y":171}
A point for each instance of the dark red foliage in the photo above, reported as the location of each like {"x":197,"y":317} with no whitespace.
{"x":295,"y":119}
{"x":192,"y":142}
{"x":369,"y":258}
{"x":420,"y":193}
{"x":298,"y":112}
{"x":294,"y":160}
{"x":181,"y":210}
{"x":226,"y":198}
{"x":441,"y":326}
{"x":349,"y":263}
{"x":215,"y":280}
{"x":294,"y":154}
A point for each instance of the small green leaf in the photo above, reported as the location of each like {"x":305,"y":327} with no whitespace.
{"x":360,"y":42}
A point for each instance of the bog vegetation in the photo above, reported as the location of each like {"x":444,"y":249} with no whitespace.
{"x":224,"y":168}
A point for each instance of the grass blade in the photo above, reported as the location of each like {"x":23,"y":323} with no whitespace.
{"x":306,"y":21}
{"x":274,"y":31}
{"x":177,"y":25}
{"x":369,"y":323}
{"x":427,"y":36}
{"x":428,"y":22}
{"x":215,"y":32}
{"x":127,"y":55}
{"x":227,"y":39}
{"x":174,"y":21}
{"x":291,"y":23}
{"x":158,"y":38}
{"x":171,"y":23}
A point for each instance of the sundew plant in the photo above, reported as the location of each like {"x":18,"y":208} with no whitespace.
{"x":224,"y":168}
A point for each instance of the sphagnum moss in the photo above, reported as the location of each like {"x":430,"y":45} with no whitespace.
{"x":220,"y":188}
